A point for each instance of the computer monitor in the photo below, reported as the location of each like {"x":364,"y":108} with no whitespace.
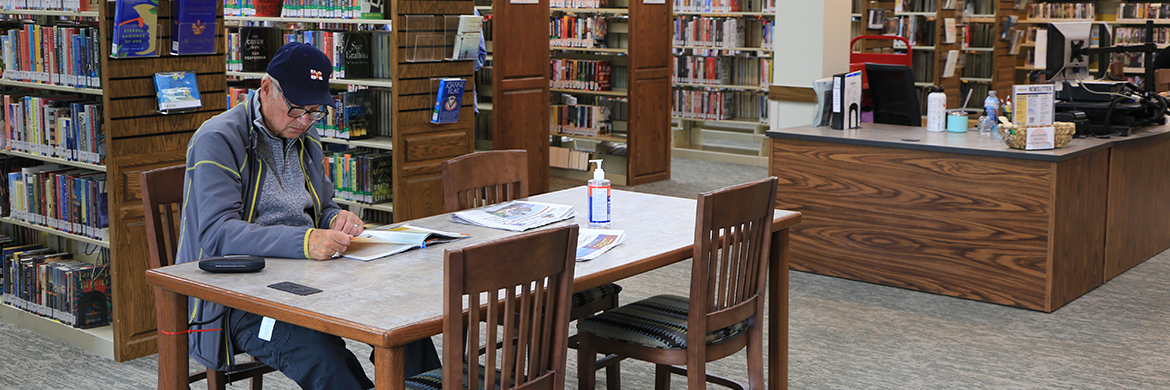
{"x":1065,"y":59}
{"x":891,"y":90}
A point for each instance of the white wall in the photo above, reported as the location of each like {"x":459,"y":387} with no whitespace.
{"x":811,"y":42}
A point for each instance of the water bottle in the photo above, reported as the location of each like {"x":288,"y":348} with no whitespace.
{"x":985,"y":125}
{"x":991,"y":109}
{"x":936,"y":108}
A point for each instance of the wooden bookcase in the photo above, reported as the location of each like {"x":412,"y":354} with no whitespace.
{"x":521,"y":94}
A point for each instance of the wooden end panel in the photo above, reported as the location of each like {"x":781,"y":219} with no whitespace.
{"x":145,"y":67}
{"x":427,"y":102}
{"x":526,"y":127}
{"x":418,"y":122}
{"x":441,"y":147}
{"x":965,"y":226}
{"x":148,"y":106}
{"x":1137,"y":228}
{"x":419,"y":196}
{"x":135,"y":334}
{"x":120,"y":128}
{"x":425,"y":86}
{"x":651,"y":27}
{"x":782,"y":93}
{"x":1078,"y":227}
{"x":144,"y":87}
{"x":426,"y":70}
{"x":649,"y":128}
{"x":527,"y":53}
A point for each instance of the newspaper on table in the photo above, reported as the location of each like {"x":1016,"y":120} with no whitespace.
{"x":516,"y":216}
{"x":593,"y":242}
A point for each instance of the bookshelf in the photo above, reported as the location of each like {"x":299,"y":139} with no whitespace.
{"x":742,"y":69}
{"x":638,"y":54}
{"x":1037,"y":15}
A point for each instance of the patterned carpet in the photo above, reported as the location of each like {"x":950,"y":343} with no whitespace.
{"x":843,"y":334}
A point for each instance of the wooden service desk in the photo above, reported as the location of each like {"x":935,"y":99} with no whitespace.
{"x":964,"y":215}
{"x":398,"y":299}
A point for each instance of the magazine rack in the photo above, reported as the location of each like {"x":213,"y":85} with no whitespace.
{"x":431,"y":38}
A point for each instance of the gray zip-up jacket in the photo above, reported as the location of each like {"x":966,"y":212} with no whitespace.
{"x":223,"y":183}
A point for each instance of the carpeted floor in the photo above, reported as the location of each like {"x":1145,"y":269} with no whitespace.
{"x":843,"y":334}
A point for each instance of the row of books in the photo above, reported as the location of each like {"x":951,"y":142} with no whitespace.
{"x":361,"y":175}
{"x":578,"y":31}
{"x":359,"y":113}
{"x":587,"y":75}
{"x":1062,"y":11}
{"x":354,"y":54}
{"x":238,"y":96}
{"x":693,"y":104}
{"x":917,"y":29}
{"x":51,"y":5}
{"x":979,"y":7}
{"x":568,"y":158}
{"x":67,"y":199}
{"x":344,"y":9}
{"x":587,"y":120}
{"x":1143,"y":11}
{"x":724,"y":5}
{"x":923,"y":65}
{"x":723,"y":32}
{"x":56,"y":125}
{"x":48,"y":54}
{"x":1129,"y":60}
{"x":978,"y":64}
{"x":1137,"y":35}
{"x":722,"y":70}
{"x":979,"y":35}
{"x":917,"y":5}
{"x":52,"y":284}
{"x":585,"y":4}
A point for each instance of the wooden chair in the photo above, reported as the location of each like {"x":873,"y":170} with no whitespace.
{"x":162,"y":202}
{"x":726,"y":303}
{"x":529,"y":273}
{"x":486,"y":178}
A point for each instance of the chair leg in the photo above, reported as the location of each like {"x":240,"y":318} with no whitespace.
{"x":613,"y":376}
{"x":216,"y":380}
{"x":661,"y":377}
{"x":755,"y":356}
{"x":697,"y":375}
{"x":257,"y":382}
{"x":586,"y":363}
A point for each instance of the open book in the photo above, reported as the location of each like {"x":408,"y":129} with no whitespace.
{"x":593,"y":242}
{"x":373,"y":244}
{"x":516,"y":216}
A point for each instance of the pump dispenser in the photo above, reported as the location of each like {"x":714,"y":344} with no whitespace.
{"x":599,"y":197}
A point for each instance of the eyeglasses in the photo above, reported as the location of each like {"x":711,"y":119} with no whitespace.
{"x":297,"y":112}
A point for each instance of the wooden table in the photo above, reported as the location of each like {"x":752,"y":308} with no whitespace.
{"x":964,"y":215}
{"x":392,"y":301}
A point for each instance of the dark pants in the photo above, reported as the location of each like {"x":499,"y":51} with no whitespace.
{"x":316,"y":360}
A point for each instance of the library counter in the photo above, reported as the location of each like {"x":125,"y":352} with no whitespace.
{"x":963,"y":215}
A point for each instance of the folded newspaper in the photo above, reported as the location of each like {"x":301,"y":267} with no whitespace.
{"x":516,"y":216}
{"x":593,"y":242}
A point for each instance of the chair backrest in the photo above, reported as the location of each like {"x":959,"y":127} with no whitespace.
{"x":732,"y":237}
{"x":891,"y":90}
{"x":484,"y":178}
{"x":526,"y":274}
{"x":162,"y":201}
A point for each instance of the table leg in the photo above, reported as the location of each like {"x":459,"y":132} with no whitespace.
{"x":778,"y":311}
{"x":170,"y":311}
{"x":389,"y":368}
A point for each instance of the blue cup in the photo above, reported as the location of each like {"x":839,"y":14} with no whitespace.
{"x":957,"y":121}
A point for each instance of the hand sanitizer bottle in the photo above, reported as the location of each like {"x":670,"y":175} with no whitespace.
{"x":599,"y":198}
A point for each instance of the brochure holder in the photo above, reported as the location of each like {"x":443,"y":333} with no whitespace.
{"x":425,"y":38}
{"x":177,"y":92}
{"x":195,"y":32}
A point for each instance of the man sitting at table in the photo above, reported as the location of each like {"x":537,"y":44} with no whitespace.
{"x":255,"y":185}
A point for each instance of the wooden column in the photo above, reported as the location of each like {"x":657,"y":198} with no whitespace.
{"x":650,"y":77}
{"x":520,"y":85}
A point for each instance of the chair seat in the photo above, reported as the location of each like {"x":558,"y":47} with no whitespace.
{"x":433,"y":379}
{"x":656,"y":322}
{"x":594,"y":294}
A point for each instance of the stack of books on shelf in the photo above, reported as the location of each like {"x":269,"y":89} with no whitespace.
{"x":723,"y":32}
{"x":708,"y":105}
{"x":578,"y":31}
{"x":55,"y":125}
{"x":915,"y":6}
{"x":1137,"y":35}
{"x":361,"y":175}
{"x":54,"y":285}
{"x":342,"y":9}
{"x":45,"y":54}
{"x":578,"y":4}
{"x":917,"y":29}
{"x":979,"y":35}
{"x":568,"y":158}
{"x":979,"y":7}
{"x":923,"y":61}
{"x":1063,"y":11}
{"x":354,"y":54}
{"x":724,"y":5}
{"x":1140,"y":11}
{"x":580,"y":119}
{"x":357,"y":114}
{"x":66,"y":199}
{"x":50,"y":5}
{"x":586,"y":75}
{"x":978,"y":65}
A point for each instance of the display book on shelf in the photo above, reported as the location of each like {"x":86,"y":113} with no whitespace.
{"x":55,"y":186}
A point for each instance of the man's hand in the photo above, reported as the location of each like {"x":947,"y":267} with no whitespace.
{"x":348,"y":223}
{"x":324,"y":243}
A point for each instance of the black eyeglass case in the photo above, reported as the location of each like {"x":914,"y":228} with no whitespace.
{"x":232,"y":264}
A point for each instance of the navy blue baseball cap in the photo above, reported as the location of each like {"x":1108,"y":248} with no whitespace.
{"x":303,"y":73}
